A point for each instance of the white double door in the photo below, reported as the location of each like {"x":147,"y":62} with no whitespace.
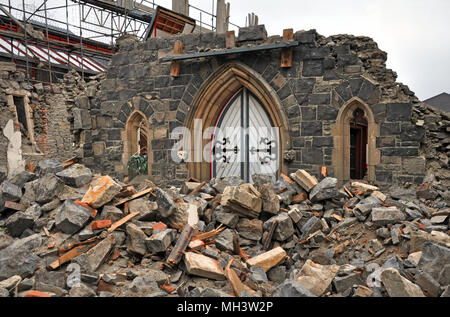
{"x":245,"y":142}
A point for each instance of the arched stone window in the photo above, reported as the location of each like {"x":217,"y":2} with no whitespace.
{"x":211,"y":99}
{"x":137,"y":136}
{"x":355,"y":133}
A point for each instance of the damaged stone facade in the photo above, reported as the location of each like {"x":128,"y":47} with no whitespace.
{"x":40,"y":114}
{"x":55,"y":115}
{"x":327,"y":75}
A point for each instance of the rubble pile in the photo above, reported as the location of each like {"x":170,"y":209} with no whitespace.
{"x":67,"y":232}
{"x":434,"y":126}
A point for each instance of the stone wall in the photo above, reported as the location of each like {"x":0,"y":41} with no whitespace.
{"x":47,"y":112}
{"x":327,"y":73}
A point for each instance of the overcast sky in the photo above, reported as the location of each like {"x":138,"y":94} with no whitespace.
{"x":414,"y":33}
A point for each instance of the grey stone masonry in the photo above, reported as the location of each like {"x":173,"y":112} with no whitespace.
{"x":326,"y":74}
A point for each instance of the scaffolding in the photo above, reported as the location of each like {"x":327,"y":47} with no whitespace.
{"x":48,"y":38}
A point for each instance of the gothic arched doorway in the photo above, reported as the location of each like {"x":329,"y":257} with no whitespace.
{"x":245,"y":141}
{"x":209,"y":105}
{"x":355,"y":133}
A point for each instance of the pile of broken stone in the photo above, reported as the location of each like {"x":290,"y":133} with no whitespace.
{"x":67,"y":232}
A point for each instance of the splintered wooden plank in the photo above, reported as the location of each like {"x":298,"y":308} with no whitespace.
{"x":286,"y":53}
{"x":71,"y":255}
{"x":234,"y":280}
{"x":181,"y":245}
{"x":175,"y":65}
{"x":137,"y":195}
{"x":197,"y":189}
{"x":70,"y":162}
{"x":122,"y":221}
{"x":269,"y":259}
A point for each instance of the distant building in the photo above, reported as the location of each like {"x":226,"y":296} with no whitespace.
{"x":441,"y":102}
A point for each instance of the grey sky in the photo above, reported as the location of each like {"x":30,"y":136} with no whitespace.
{"x":414,"y":33}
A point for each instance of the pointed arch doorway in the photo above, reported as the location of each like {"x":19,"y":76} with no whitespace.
{"x":210,"y":103}
{"x":245,"y":141}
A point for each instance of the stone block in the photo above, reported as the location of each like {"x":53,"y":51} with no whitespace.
{"x":398,"y":286}
{"x":71,"y":217}
{"x":250,"y":229}
{"x":101,"y":192}
{"x":166,"y":206}
{"x":160,"y":241}
{"x":76,"y":176}
{"x":18,"y":222}
{"x":95,"y":257}
{"x":316,"y":278}
{"x":285,"y":227}
{"x":343,"y":283}
{"x":428,"y":284}
{"x":313,"y":128}
{"x":434,"y":258}
{"x":49,"y":166}
{"x":292,"y":288}
{"x":47,"y":188}
{"x":304,"y":179}
{"x":244,"y":200}
{"x":227,"y":218}
{"x":398,"y":112}
{"x":252,"y":33}
{"x":112,"y":213}
{"x":200,"y":265}
{"x":10,"y":191}
{"x":324,"y":190}
{"x":312,"y":68}
{"x":136,"y":240}
{"x":224,"y":241}
{"x":268,"y":259}
{"x":383,"y":216}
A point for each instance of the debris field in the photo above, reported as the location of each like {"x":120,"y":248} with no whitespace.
{"x":65,"y":232}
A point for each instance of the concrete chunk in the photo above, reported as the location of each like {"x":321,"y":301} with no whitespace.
{"x":268,"y":259}
{"x":197,"y":264}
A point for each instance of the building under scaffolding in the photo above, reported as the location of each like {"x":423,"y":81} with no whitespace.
{"x":47,"y":38}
